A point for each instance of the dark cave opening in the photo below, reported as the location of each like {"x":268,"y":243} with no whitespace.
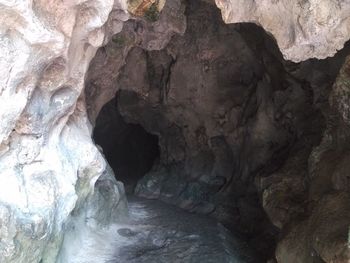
{"x":129,"y":149}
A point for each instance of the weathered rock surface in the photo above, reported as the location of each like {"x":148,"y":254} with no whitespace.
{"x":236,"y":125}
{"x":51,"y":174}
{"x":239,"y":129}
{"x":150,"y":35}
{"x":201,"y":131}
{"x":323,"y":229}
{"x":303,"y":29}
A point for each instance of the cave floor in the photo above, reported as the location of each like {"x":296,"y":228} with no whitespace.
{"x":157,"y":232}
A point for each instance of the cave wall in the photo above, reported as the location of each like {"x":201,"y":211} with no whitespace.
{"x":49,"y":165}
{"x":237,"y":124}
{"x":322,"y":232}
{"x":108,"y":61}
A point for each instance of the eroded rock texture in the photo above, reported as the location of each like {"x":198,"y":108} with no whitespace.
{"x":321,"y":234}
{"x":49,"y":166}
{"x":240,"y":130}
{"x":243,"y":135}
{"x":302,"y":28}
{"x":148,"y":34}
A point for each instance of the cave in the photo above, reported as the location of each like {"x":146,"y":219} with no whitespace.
{"x":233,"y":122}
{"x":175,"y":131}
{"x":129,"y":149}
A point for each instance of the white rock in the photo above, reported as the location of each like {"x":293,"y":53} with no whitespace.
{"x":303,"y":28}
{"x":48,"y":163}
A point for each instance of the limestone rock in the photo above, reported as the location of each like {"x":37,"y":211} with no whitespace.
{"x":238,"y":126}
{"x":339,"y":99}
{"x":49,"y":164}
{"x":323,"y":236}
{"x":226,"y":108}
{"x":108,"y":62}
{"x":303,"y":29}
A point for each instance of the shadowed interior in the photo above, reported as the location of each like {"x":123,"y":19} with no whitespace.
{"x":129,"y":149}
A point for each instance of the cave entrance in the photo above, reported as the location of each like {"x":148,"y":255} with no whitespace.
{"x":236,"y":122}
{"x":129,"y":149}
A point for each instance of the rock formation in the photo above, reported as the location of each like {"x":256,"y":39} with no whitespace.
{"x":236,"y":123}
{"x":323,"y":232}
{"x":303,"y":28}
{"x":246,"y":137}
{"x":49,"y":166}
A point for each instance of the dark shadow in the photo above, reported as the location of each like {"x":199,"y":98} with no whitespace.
{"x":129,"y":148}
